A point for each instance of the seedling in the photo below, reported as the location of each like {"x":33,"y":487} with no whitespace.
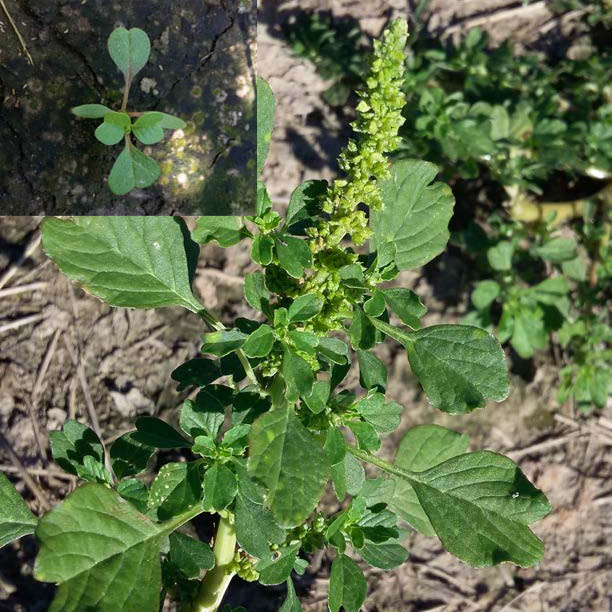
{"x":266,"y":432}
{"x":130,"y":50}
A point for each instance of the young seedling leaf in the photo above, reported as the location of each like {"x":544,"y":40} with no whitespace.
{"x":91,"y":111}
{"x":265,"y":121}
{"x":458,"y":366}
{"x":226,"y":231}
{"x":114,"y":128}
{"x":255,"y":291}
{"x":423,"y":447}
{"x":132,"y":169}
{"x":170,"y":122}
{"x":372,"y":371}
{"x":205,"y":414}
{"x":304,"y":201}
{"x":130,"y":50}
{"x":104,"y":578}
{"x":298,"y":375}
{"x":383,"y":417}
{"x":148,"y":128}
{"x":500,"y":256}
{"x":415,"y":215}
{"x":485,"y":293}
{"x":138,"y":262}
{"x":290,"y":462}
{"x":16,"y":519}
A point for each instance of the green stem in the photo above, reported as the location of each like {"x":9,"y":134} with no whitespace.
{"x":126,"y":92}
{"x":216,"y":581}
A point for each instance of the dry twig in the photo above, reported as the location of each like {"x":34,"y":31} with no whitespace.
{"x":12,"y":270}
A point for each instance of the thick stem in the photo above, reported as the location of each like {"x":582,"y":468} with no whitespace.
{"x":215,"y":583}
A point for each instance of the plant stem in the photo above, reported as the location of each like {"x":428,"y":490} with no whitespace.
{"x":126,"y":91}
{"x":381,"y":463}
{"x":216,"y":581}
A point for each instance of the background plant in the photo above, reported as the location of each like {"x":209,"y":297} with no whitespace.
{"x":130,"y":50}
{"x":260,"y":447}
{"x":522,"y":139}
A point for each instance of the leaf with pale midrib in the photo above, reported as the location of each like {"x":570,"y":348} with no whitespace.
{"x":138,"y":262}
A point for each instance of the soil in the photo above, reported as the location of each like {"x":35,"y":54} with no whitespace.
{"x":201,"y":69}
{"x":127,"y":356}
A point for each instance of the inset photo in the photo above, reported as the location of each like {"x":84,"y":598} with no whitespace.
{"x":135,"y":108}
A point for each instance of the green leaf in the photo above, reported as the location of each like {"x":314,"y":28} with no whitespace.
{"x":557,"y":250}
{"x":366,"y":435}
{"x":383,"y":417}
{"x":304,"y":307}
{"x":265,"y":121}
{"x":91,"y":111}
{"x":290,"y":462}
{"x":375,"y":305}
{"x":297,"y":374}
{"x":372,"y":371}
{"x":117,"y":548}
{"x":190,"y":555}
{"x":480,"y":505}
{"x":423,"y":447}
{"x":176,"y":488}
{"x":348,"y":476}
{"x":72,"y":444}
{"x":147,"y":128}
{"x":334,"y":349}
{"x":128,"y":456}
{"x":16,"y":519}
{"x":500,"y":123}
{"x":136,"y":492}
{"x":317,"y":400}
{"x":485,"y":293}
{"x":385,"y":555}
{"x":205,"y":414}
{"x":335,"y":445}
{"x":262,"y":249}
{"x":255,"y":291}
{"x":292,"y":603}
{"x":219,"y":487}
{"x":255,"y":524}
{"x":304,"y":201}
{"x":223,"y":342}
{"x":170,"y":122}
{"x":415,"y":215}
{"x":132,"y":169}
{"x":275,"y":567}
{"x":362,"y":332}
{"x":227,"y":231}
{"x":197,"y":373}
{"x":293,"y":255}
{"x":529,"y":332}
{"x":500,"y":256}
{"x":458,"y":366}
{"x":347,"y":585}
{"x":130,"y":50}
{"x":114,"y":128}
{"x":138,"y":262}
{"x":260,"y":342}
{"x":406,"y":304}
{"x":154,"y":432}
